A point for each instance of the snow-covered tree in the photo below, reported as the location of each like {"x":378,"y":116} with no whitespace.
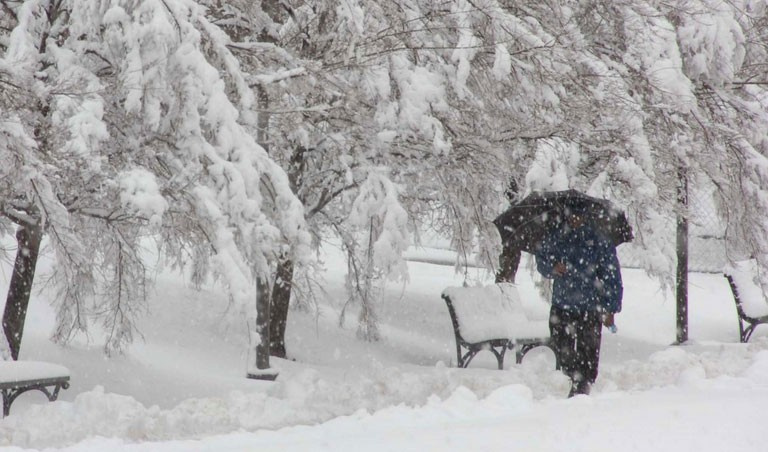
{"x":129,"y":119}
{"x":724,"y":49}
{"x":378,"y":223}
{"x":451,"y":98}
{"x":688,"y":71}
{"x":439,"y":95}
{"x":425,"y":110}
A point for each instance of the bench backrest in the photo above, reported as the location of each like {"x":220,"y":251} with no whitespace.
{"x":492,"y":312}
{"x":750,"y":295}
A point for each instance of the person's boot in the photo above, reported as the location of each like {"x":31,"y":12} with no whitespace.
{"x":580,"y":387}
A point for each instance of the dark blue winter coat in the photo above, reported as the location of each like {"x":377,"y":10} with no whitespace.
{"x":592,"y":280}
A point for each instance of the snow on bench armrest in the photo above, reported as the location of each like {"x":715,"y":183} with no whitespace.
{"x":744,"y":275}
{"x":13,"y":371}
{"x":493,"y":312}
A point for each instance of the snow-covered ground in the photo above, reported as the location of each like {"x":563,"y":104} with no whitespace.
{"x":183,"y":386}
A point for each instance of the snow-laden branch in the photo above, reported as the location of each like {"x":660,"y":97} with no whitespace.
{"x":266,"y":79}
{"x":19,"y":215}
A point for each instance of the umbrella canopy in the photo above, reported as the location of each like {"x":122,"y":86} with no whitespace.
{"x":529,"y":220}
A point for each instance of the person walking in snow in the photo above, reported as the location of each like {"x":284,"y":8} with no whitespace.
{"x":586,"y":294}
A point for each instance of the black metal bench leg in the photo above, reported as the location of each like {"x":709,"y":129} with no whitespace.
{"x":500,"y":356}
{"x":9,"y":395}
{"x":519,"y":355}
{"x":55,"y":395}
{"x":742,"y":335}
{"x":521,"y":350}
{"x":748,"y":333}
{"x":472,"y":352}
{"x":464,"y":362}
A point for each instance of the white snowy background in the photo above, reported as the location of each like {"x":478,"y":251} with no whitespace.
{"x":245,"y":136}
{"x":183,"y":386}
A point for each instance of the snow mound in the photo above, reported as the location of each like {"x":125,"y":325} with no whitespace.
{"x":307,"y":397}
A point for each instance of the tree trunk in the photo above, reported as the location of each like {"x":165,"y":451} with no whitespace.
{"x":28,"y":238}
{"x":281,"y":298}
{"x":281,"y":292}
{"x":262,"y":371}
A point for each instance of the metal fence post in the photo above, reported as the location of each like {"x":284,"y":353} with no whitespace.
{"x":682,"y":257}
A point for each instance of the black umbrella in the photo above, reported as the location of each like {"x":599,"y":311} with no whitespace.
{"x":529,"y":220}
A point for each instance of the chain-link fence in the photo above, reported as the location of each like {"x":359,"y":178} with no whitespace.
{"x":706,"y":234}
{"x":706,"y":238}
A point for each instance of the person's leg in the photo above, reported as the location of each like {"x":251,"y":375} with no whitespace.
{"x":588,"y":338}
{"x":562,"y":329}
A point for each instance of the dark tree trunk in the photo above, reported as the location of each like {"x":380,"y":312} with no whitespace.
{"x":281,"y":298}
{"x":262,"y":286}
{"x":281,"y":292}
{"x":28,"y":238}
{"x":262,"y":370}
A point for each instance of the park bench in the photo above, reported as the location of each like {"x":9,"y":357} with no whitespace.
{"x":18,"y":377}
{"x":493,"y":318}
{"x":751,"y":304}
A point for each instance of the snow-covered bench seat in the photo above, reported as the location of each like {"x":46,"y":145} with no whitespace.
{"x":18,"y":377}
{"x":751,"y":304}
{"x":492,"y":318}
